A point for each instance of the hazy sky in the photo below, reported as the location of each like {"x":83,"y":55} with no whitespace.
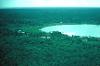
{"x":49,"y":3}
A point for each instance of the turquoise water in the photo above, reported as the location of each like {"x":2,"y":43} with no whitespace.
{"x":78,"y":30}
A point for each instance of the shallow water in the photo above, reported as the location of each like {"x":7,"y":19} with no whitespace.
{"x":78,"y":30}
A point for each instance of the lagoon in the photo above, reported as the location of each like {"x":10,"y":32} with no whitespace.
{"x":78,"y":30}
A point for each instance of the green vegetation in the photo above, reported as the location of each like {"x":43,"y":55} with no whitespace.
{"x":22,"y":44}
{"x":39,"y":16}
{"x":48,"y":49}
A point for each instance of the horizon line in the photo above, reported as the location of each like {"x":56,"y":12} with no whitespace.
{"x":45,"y":7}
